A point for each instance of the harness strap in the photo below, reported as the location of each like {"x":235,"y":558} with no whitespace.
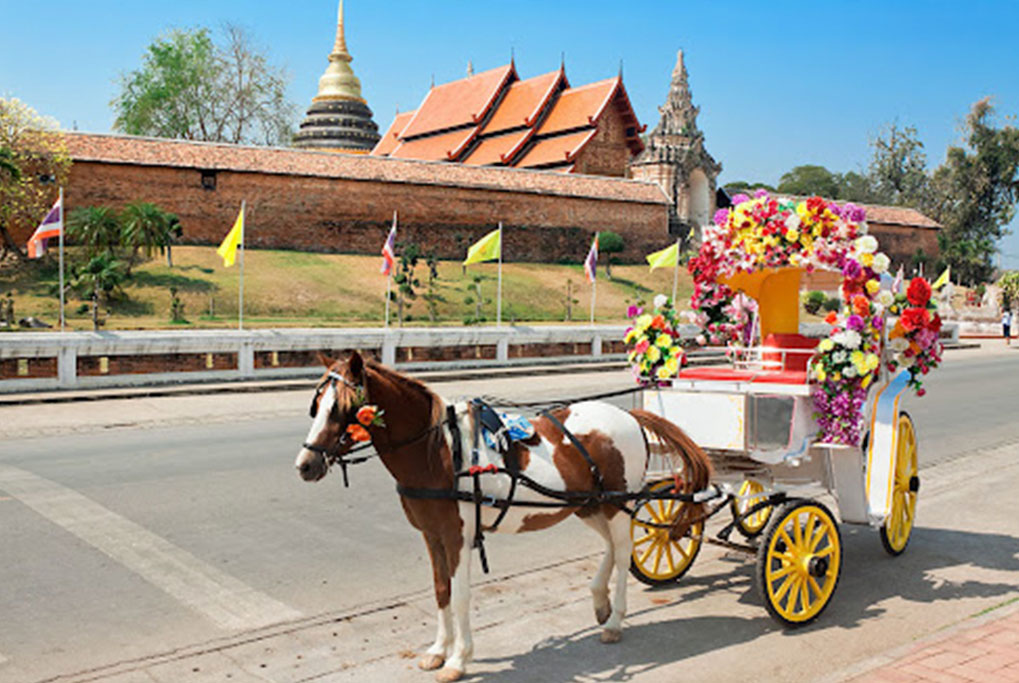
{"x":454,"y":434}
{"x":595,"y":472}
{"x":479,"y":535}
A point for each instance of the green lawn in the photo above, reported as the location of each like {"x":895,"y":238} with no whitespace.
{"x":297,"y":289}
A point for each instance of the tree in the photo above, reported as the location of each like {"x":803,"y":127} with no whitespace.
{"x":101,"y":277}
{"x":856,"y":187}
{"x":609,"y":243}
{"x":746,"y":187}
{"x":97,"y":228}
{"x":1009,"y":284}
{"x":405,"y":280}
{"x":898,"y":168}
{"x":34,"y":162}
{"x":809,"y":180}
{"x":147,"y":228}
{"x":189,"y":87}
{"x":974,"y":194}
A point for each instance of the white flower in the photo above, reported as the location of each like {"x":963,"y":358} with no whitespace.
{"x":852,"y":338}
{"x":902,"y":360}
{"x":839,"y":338}
{"x":793,"y":222}
{"x":898,"y":344}
{"x":839,"y":356}
{"x":849,"y":372}
{"x":881,"y":263}
{"x":701,"y":340}
{"x":661,"y":300}
{"x":885,"y":297}
{"x":866,"y":244}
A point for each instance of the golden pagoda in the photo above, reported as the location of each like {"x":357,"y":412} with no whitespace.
{"x":339,"y":120}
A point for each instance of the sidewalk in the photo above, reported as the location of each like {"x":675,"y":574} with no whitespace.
{"x":985,"y":648}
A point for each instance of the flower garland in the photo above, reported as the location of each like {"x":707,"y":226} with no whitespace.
{"x":366,"y":416}
{"x":916,"y":337}
{"x":652,"y":342}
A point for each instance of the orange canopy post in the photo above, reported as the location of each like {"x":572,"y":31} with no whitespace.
{"x":777,"y":292}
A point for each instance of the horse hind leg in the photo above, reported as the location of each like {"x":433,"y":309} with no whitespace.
{"x":622,"y":547}
{"x":600,"y":581}
{"x":435,"y":656}
{"x":463,"y":643}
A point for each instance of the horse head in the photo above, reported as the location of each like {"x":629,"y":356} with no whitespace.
{"x":339,"y":396}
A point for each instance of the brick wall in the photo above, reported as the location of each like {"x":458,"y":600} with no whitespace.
{"x":900,"y":243}
{"x":315,"y":213}
{"x":606,"y":154}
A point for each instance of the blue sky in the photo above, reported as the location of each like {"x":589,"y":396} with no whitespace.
{"x":779,"y":83}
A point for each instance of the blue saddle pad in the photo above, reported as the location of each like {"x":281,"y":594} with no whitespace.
{"x":516,"y":428}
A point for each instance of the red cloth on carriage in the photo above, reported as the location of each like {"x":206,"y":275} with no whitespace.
{"x":793,"y":370}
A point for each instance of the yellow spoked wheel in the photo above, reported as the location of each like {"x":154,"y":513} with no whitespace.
{"x":754,"y":524}
{"x":798,"y":562}
{"x":656,"y":558}
{"x":899,"y":525}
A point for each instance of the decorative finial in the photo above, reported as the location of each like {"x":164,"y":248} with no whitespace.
{"x":433,"y":80}
{"x":513,"y":57}
{"x":339,"y":82}
{"x":562,"y":61}
{"x":620,"y":68}
{"x":470,"y":68}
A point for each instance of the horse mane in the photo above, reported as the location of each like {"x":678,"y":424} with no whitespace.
{"x":435,"y":404}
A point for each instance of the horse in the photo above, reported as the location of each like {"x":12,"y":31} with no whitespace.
{"x":410,"y":429}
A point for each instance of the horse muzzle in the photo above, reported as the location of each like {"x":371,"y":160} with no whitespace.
{"x":311,"y":466}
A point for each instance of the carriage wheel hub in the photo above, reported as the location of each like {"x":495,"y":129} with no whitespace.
{"x":817,"y":566}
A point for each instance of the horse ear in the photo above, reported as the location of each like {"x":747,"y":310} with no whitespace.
{"x":355,"y":363}
{"x":324,"y":359}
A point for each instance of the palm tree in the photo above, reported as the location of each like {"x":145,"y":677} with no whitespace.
{"x":95,"y":227}
{"x":146,"y":227}
{"x":101,"y":276}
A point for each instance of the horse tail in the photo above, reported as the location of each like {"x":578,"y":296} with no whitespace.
{"x":696,"y":467}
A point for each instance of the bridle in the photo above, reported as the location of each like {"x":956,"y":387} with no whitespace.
{"x":334,"y":455}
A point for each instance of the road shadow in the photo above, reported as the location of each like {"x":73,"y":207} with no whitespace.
{"x":869,"y":577}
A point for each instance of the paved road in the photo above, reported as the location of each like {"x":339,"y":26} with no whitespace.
{"x":124,"y":541}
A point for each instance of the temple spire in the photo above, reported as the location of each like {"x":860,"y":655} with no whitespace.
{"x":339,"y":119}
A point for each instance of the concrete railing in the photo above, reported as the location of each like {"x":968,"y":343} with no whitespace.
{"x":85,"y":360}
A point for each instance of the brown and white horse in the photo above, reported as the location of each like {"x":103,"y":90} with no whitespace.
{"x":414,"y":444}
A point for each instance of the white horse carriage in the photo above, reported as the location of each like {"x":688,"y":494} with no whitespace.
{"x":755,"y":419}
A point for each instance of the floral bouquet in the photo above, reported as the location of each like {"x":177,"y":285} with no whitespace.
{"x":367,"y":416}
{"x":916,"y":337}
{"x":652,"y":342}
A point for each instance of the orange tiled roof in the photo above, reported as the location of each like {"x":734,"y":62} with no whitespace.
{"x":140,"y":151}
{"x":523,"y":102}
{"x":391,"y":138}
{"x":579,"y":107}
{"x":898,"y":215}
{"x":458,"y":103}
{"x":442,"y":147}
{"x":560,"y":149}
{"x":498,"y":149}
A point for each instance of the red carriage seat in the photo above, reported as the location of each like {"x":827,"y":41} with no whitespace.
{"x":793,"y":370}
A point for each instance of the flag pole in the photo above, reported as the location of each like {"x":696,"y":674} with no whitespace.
{"x":594,"y":296}
{"x":389,"y":279}
{"x":62,"y":224}
{"x":240,"y":293}
{"x":498,"y":303}
{"x":675,"y":277}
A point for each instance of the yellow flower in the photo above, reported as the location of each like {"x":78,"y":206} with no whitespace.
{"x":867,"y":260}
{"x":866,"y":381}
{"x":821,"y":374}
{"x":837,"y":376}
{"x":653,"y":354}
{"x":872,"y":285}
{"x":792,"y":235}
{"x":630,"y":336}
{"x":664,"y":341}
{"x":672,"y":365}
{"x":663,"y":373}
{"x":643,"y":322}
{"x":873,"y":361}
{"x":826,"y":345}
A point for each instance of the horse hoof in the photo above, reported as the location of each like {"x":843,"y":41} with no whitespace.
{"x":448,"y":675}
{"x":602,"y":614}
{"x":611,"y":635}
{"x":431,"y":662}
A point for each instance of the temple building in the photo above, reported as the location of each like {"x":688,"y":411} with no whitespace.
{"x":495,"y":118}
{"x":339,"y":119}
{"x":676,"y":159}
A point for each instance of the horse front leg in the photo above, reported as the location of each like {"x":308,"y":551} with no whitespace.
{"x":463,"y":644}
{"x":435,"y":656}
{"x":622,"y":547}
{"x":600,"y":581}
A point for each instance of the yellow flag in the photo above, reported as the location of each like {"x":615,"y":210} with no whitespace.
{"x":942,"y":279}
{"x":228,"y":249}
{"x":665,"y":258}
{"x":485,"y":249}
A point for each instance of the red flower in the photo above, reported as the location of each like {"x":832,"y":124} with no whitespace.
{"x":831,"y":318}
{"x":861,"y":306}
{"x":658,"y":323}
{"x":919,"y":292}
{"x":935,"y":324}
{"x":366,"y":414}
{"x":816,"y":204}
{"x":915,"y":318}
